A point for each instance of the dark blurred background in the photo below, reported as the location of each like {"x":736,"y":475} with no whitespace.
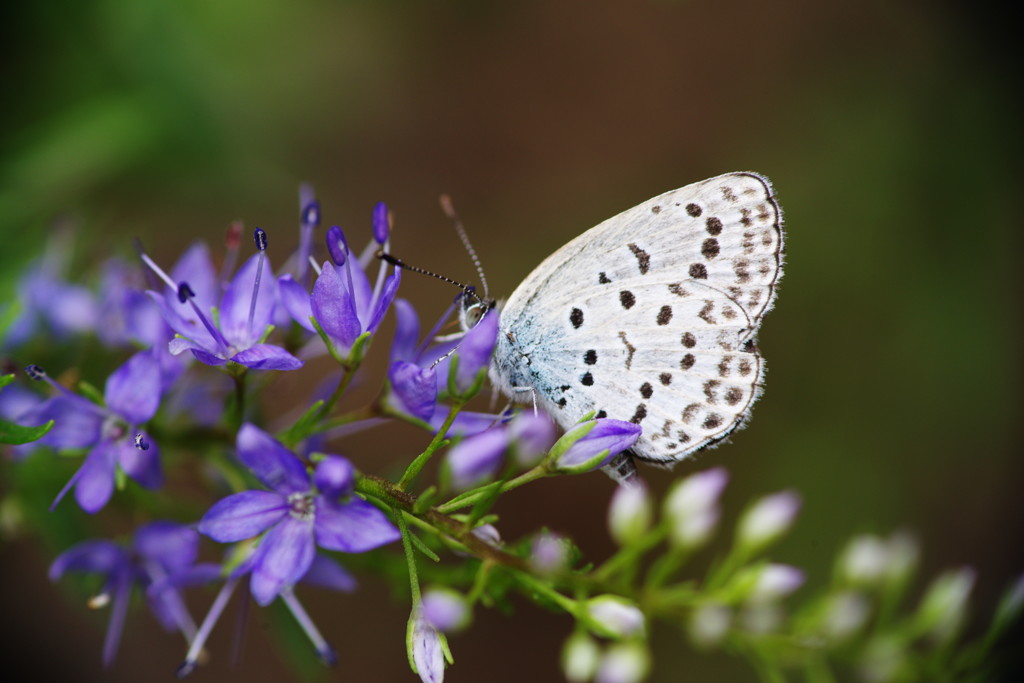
{"x":890,"y":131}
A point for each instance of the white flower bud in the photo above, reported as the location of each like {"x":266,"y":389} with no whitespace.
{"x":775,"y":581}
{"x":615,"y":617}
{"x":709,"y":624}
{"x":767,"y":521}
{"x":944,"y":605}
{"x":845,"y":614}
{"x":624,"y":663}
{"x":580,"y":657}
{"x":630,"y":513}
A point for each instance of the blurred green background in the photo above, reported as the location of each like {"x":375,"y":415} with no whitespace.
{"x":891,"y":131}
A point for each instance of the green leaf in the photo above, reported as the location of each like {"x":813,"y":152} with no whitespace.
{"x":16,"y":434}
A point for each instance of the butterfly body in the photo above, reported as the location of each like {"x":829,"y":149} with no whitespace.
{"x":652,"y":317}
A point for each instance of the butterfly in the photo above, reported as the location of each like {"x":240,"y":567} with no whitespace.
{"x":652,"y":317}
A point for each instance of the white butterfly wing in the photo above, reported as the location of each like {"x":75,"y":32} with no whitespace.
{"x":651,"y":316}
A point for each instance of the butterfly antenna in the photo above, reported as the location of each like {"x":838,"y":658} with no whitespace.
{"x":399,"y":263}
{"x":449,"y":210}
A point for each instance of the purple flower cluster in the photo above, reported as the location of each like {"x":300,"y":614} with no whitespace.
{"x":287,"y":506}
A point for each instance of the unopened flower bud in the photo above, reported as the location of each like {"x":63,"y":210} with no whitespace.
{"x":709,"y":624}
{"x":550,"y":553}
{"x":630,"y":513}
{"x":944,"y":606}
{"x":767,"y":521}
{"x":445,"y":609}
{"x":623,"y":663}
{"x":615,"y":617}
{"x":580,"y":656}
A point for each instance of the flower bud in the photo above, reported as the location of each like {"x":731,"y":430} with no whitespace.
{"x":426,"y":648}
{"x":445,"y":609}
{"x":624,"y":663}
{"x":774,"y":582}
{"x":334,"y":476}
{"x":580,"y":656}
{"x":412,"y":390}
{"x":630,"y":513}
{"x":550,"y":553}
{"x":845,"y":614}
{"x":615,"y":617}
{"x":592,"y":444}
{"x":944,"y":606}
{"x":476,"y":459}
{"x":474,"y":353}
{"x":691,"y":507}
{"x":709,"y":624}
{"x":767,"y":521}
{"x":532,"y":436}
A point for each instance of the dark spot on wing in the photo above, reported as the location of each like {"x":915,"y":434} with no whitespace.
{"x":733,"y":396}
{"x":687,"y":362}
{"x":590,"y":357}
{"x":641,"y":413}
{"x":712,"y":421}
{"x":688,"y":340}
{"x":698,"y":271}
{"x":710,"y":248}
{"x":642,"y":257}
{"x":627,"y":299}
{"x":714,"y":225}
{"x":664,"y":315}
{"x":666,"y":378}
{"x":694,"y":210}
{"x":587,"y":379}
{"x":646,"y":390}
{"x":602,"y":278}
{"x":576,"y":318}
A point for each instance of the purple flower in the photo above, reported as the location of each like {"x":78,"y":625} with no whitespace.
{"x":159,"y":550}
{"x":294,"y":516}
{"x":132,"y":397}
{"x":476,"y":459}
{"x":246,"y":310}
{"x":48,"y":303}
{"x":412,"y":390}
{"x":445,"y":610}
{"x":474,"y":352}
{"x":594,"y":444}
{"x":343,"y":302}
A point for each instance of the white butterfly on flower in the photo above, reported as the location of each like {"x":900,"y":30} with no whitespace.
{"x":652,"y":317}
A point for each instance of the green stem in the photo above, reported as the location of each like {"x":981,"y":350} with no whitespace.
{"x":471,"y":497}
{"x":410,"y":557}
{"x":438,"y":440}
{"x":346,"y":378}
{"x":630,"y":553}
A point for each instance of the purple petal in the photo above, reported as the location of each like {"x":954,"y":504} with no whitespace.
{"x":334,"y":307}
{"x":532,"y":435}
{"x":327,"y":573}
{"x":133,"y":390}
{"x":208,"y":358}
{"x":196,"y":268}
{"x":141,"y":465}
{"x":95,"y":482}
{"x":100,"y":556}
{"x":242,"y":515}
{"x":282,"y":558}
{"x":386,"y":297}
{"x":267,"y":357}
{"x":445,"y":609}
{"x":171,"y":544}
{"x":275,"y":465}
{"x":78,"y":423}
{"x":475,"y":350}
{"x":295,"y":299}
{"x":334,"y":476}
{"x":352,"y":527}
{"x":182,"y":319}
{"x":613,"y":435}
{"x":427,"y":653}
{"x":234,"y":312}
{"x":407,"y":332}
{"x":477,"y":458}
{"x":413,"y":389}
